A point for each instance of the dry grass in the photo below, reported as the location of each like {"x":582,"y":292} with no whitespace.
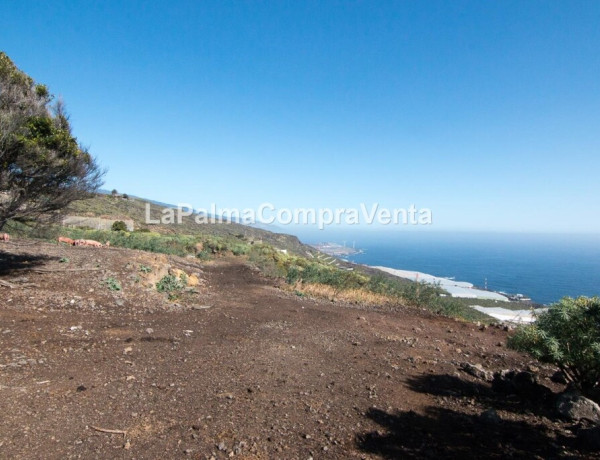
{"x":357,"y":296}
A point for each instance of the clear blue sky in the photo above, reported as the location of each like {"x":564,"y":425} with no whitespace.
{"x":486,"y":112}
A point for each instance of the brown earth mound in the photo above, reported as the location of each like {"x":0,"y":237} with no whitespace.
{"x":238,"y":367}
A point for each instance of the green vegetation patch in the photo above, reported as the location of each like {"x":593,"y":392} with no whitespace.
{"x":112,"y":284}
{"x":568,"y":336}
{"x":170,"y":283}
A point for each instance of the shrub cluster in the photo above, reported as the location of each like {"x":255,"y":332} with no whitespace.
{"x":119,"y":226}
{"x":568,"y":336}
{"x":170,"y":283}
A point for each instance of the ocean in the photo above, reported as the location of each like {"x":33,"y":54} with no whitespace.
{"x":545,"y":267}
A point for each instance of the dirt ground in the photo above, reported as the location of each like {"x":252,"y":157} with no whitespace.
{"x":240,"y":367}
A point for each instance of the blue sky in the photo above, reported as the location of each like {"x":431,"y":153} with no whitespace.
{"x":488,"y":113}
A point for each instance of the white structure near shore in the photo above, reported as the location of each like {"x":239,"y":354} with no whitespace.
{"x":454,"y":288}
{"x":511,"y":316}
{"x":467,"y":291}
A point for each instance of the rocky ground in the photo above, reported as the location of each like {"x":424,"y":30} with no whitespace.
{"x":238,"y":366}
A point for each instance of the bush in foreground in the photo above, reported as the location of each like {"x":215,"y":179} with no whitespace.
{"x":567,"y":335}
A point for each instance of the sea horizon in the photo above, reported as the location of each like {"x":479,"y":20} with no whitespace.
{"x":543,"y":266}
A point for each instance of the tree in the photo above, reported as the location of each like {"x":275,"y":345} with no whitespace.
{"x":119,"y":226}
{"x":42,"y":166}
{"x":568,"y":336}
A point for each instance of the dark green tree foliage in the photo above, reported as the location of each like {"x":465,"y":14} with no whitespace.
{"x":567,"y":335}
{"x":119,"y":226}
{"x":42,"y":167}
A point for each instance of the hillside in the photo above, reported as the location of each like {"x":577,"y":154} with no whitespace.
{"x":278,"y":255}
{"x":95,"y":362}
{"x":135,"y":208}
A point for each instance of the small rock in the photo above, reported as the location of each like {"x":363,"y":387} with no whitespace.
{"x":193,"y":280}
{"x":575,"y":407}
{"x":476,"y":370}
{"x":201,"y":307}
{"x":127,"y":350}
{"x":490,"y":416}
{"x":221,"y":446}
{"x":524,"y":384}
{"x":149,"y":331}
{"x":120,"y":302}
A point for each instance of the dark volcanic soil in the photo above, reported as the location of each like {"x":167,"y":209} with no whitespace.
{"x":262,"y":373}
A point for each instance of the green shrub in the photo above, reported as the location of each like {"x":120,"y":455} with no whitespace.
{"x":317,"y":273}
{"x":203,"y":255}
{"x":567,"y":335}
{"x":169,"y":283}
{"x":270,"y":261}
{"x":145,"y":268}
{"x":112,"y":284}
{"x":240,"y":249}
{"x":294,"y":274}
{"x":119,"y":226}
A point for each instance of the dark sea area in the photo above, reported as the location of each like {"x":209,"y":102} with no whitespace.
{"x":545,"y":267}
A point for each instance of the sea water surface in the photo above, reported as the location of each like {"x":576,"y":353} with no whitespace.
{"x":545,"y":267}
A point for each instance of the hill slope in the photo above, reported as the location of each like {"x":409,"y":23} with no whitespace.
{"x":135,"y":208}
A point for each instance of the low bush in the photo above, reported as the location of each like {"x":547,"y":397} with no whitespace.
{"x":170,"y":283}
{"x":112,"y":284}
{"x":568,"y":336}
{"x":119,"y":226}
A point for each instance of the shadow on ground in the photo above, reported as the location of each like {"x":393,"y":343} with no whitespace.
{"x":455,"y":431}
{"x":536,"y":401}
{"x":11,"y":264}
{"x":444,"y":433}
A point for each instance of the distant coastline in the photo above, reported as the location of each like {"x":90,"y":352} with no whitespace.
{"x":455,"y":288}
{"x":505,"y":311}
{"x":336,"y":250}
{"x":466,"y":290}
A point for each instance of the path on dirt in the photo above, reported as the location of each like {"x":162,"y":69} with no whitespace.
{"x":261,"y":373}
